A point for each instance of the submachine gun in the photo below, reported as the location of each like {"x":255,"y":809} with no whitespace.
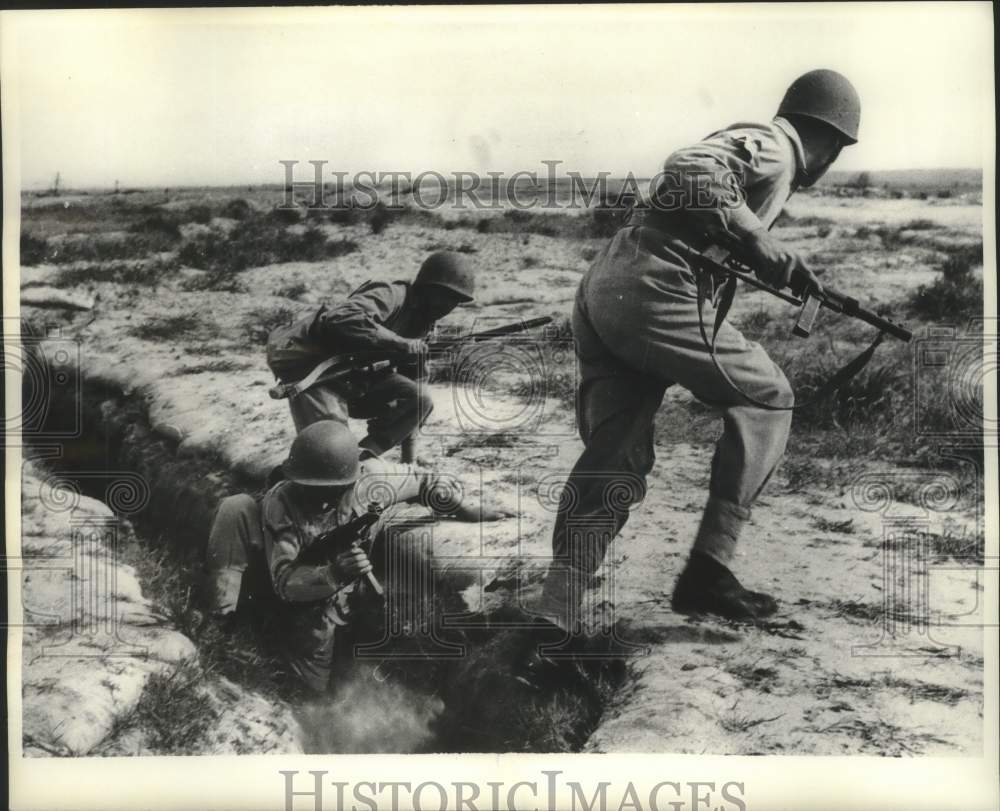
{"x":352,"y":363}
{"x":354,"y":533}
{"x":723,"y":263}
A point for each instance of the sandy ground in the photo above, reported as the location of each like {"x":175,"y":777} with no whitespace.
{"x":877,"y":649}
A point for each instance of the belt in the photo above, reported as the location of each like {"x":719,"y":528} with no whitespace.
{"x":676,"y":225}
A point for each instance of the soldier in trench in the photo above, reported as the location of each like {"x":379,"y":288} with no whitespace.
{"x":636,"y":327}
{"x":325,"y":485}
{"x":379,"y":316}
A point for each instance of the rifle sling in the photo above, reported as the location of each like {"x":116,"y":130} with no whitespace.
{"x":726,"y":295}
{"x":331,"y":364}
{"x":292,"y":390}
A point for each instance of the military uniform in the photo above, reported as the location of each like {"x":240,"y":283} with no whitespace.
{"x":636,"y":328}
{"x":377,"y":316}
{"x":277,"y":530}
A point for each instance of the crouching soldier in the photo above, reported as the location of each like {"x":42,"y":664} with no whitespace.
{"x":378,"y":316}
{"x":325,"y":487}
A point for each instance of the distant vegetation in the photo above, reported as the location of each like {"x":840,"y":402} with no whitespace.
{"x":260,"y":240}
{"x":154,"y":243}
{"x":921,"y":184}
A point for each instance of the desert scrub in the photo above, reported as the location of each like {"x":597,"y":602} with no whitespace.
{"x":159,"y":224}
{"x":200,"y":214}
{"x":257,"y":241}
{"x":33,"y":249}
{"x":237,"y":209}
{"x":597,"y":223}
{"x":886,"y":412}
{"x":921,"y":224}
{"x":107,"y":248}
{"x":293,"y":291}
{"x":957,"y":294}
{"x":284,"y":215}
{"x":863,"y":400}
{"x":145,"y":272}
{"x":167,"y":327}
{"x":380,"y":218}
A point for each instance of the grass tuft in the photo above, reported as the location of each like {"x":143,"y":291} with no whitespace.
{"x":174,"y":712}
{"x":293,"y":291}
{"x":167,"y":327}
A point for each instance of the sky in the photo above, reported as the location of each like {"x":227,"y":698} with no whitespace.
{"x":207,"y":97}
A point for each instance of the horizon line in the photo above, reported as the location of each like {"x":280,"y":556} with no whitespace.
{"x":540,"y":180}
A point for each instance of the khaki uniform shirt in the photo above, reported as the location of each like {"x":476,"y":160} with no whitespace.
{"x":737,"y":179}
{"x":377,"y":316}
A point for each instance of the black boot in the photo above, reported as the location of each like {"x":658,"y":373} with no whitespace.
{"x":706,"y":586}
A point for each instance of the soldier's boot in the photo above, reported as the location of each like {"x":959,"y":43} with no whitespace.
{"x":560,"y":604}
{"x":706,"y":586}
{"x":213,"y":612}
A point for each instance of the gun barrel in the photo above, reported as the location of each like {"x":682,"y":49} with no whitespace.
{"x":832,"y":300}
{"x":495,"y":332}
{"x":838,"y":302}
{"x":511,"y":329}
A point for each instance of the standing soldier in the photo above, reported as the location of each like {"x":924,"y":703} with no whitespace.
{"x":378,"y":316}
{"x":324,"y":487}
{"x":637,"y":330}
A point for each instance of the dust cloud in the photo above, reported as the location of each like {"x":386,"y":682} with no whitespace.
{"x":368,"y":716}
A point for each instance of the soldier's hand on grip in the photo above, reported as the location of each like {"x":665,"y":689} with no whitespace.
{"x":418,"y":347}
{"x":775,"y":263}
{"x":351,"y":564}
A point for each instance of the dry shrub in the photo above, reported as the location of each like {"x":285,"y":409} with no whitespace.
{"x":257,"y":241}
{"x":957,"y":294}
{"x":33,"y":249}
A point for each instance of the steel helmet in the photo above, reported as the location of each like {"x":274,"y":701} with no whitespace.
{"x":826,"y":96}
{"x":323,"y":454}
{"x":450,"y":270}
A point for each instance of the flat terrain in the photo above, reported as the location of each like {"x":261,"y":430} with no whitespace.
{"x":870,"y":535}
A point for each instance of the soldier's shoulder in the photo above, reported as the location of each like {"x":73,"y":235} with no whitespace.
{"x":754,"y":142}
{"x":383,"y":286}
{"x":767,"y":128}
{"x":275,"y":505}
{"x":765,"y":133}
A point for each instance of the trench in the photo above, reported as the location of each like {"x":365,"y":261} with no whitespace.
{"x":479,"y":701}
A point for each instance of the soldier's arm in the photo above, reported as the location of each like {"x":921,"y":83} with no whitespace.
{"x":293,"y":581}
{"x":711,"y":182}
{"x":358,"y":323}
{"x":387,"y":483}
{"x":405,"y":482}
